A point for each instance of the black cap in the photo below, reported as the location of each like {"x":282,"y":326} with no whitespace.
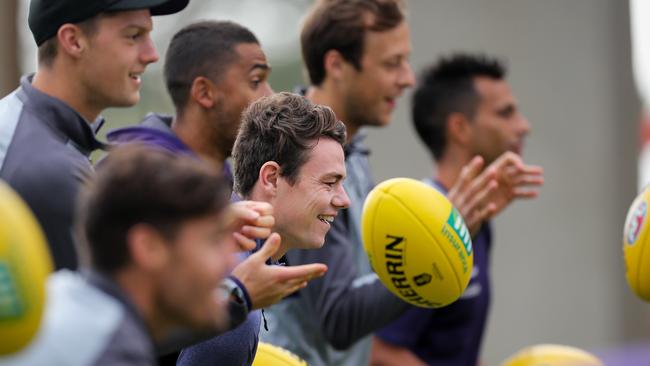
{"x":46,"y":16}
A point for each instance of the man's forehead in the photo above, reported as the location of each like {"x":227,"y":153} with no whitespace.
{"x":130,"y":18}
{"x":494,"y":90}
{"x":328,"y":154}
{"x":392,"y":42}
{"x":251,"y":54}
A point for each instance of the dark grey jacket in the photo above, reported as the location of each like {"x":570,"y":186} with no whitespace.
{"x":44,"y":150}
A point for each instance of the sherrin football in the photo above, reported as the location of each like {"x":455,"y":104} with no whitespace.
{"x":417,"y":242}
{"x":270,"y":355}
{"x":552,"y":355}
{"x":24,"y":266}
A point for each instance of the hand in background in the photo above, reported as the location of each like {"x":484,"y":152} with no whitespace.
{"x":515,"y":180}
{"x":480,"y":194}
{"x":471,"y":192}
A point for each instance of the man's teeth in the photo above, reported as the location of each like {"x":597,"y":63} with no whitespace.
{"x":326,"y":218}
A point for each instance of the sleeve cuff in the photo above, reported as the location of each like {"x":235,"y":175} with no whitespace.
{"x":244,"y":293}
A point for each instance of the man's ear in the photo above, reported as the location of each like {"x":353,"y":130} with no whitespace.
{"x":72,"y":40}
{"x":204,"y":92}
{"x":334,"y":64}
{"x":147,"y":247}
{"x":268,"y":177}
{"x":459,"y":129}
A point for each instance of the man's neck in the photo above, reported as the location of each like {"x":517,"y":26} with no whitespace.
{"x":61,"y":86}
{"x":186,"y":127}
{"x":448,"y":168}
{"x":258,"y":194}
{"x":140,"y":292}
{"x":325,"y":94}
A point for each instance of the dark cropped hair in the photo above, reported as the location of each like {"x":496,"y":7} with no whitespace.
{"x":341,"y":25}
{"x":447,"y":87}
{"x":143,"y":185}
{"x":283,"y":128}
{"x":205,"y":48}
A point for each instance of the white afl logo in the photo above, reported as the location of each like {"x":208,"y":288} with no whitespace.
{"x":636,"y":222}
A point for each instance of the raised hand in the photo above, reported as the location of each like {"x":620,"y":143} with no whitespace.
{"x":480,"y":194}
{"x":471,"y":192}
{"x":515,"y":180}
{"x":253,"y":220}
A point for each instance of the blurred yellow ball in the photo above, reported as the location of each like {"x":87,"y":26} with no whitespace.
{"x":24,"y":266}
{"x":270,"y":355}
{"x":635,"y":241}
{"x":552,"y":355}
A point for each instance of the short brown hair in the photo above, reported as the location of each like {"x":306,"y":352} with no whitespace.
{"x":341,"y":25}
{"x":136,"y":184}
{"x":281,"y":128}
{"x":48,"y":50}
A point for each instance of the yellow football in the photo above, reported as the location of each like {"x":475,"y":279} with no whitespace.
{"x":417,"y":242}
{"x":270,"y":355}
{"x":552,"y":355}
{"x":635,"y":237}
{"x":24,"y":266}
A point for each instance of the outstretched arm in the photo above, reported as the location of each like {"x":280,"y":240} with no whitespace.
{"x":268,"y":284}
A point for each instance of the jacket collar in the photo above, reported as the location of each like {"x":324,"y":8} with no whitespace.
{"x":61,"y":118}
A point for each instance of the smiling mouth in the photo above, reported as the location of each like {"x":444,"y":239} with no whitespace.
{"x":328,"y":219}
{"x":135,"y":77}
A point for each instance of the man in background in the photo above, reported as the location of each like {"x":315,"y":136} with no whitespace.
{"x":463,"y":108}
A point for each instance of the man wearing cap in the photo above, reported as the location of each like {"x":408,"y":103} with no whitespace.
{"x":91,"y":55}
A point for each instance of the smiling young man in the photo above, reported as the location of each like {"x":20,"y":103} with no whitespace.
{"x":289,"y":153}
{"x":91,"y":55}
